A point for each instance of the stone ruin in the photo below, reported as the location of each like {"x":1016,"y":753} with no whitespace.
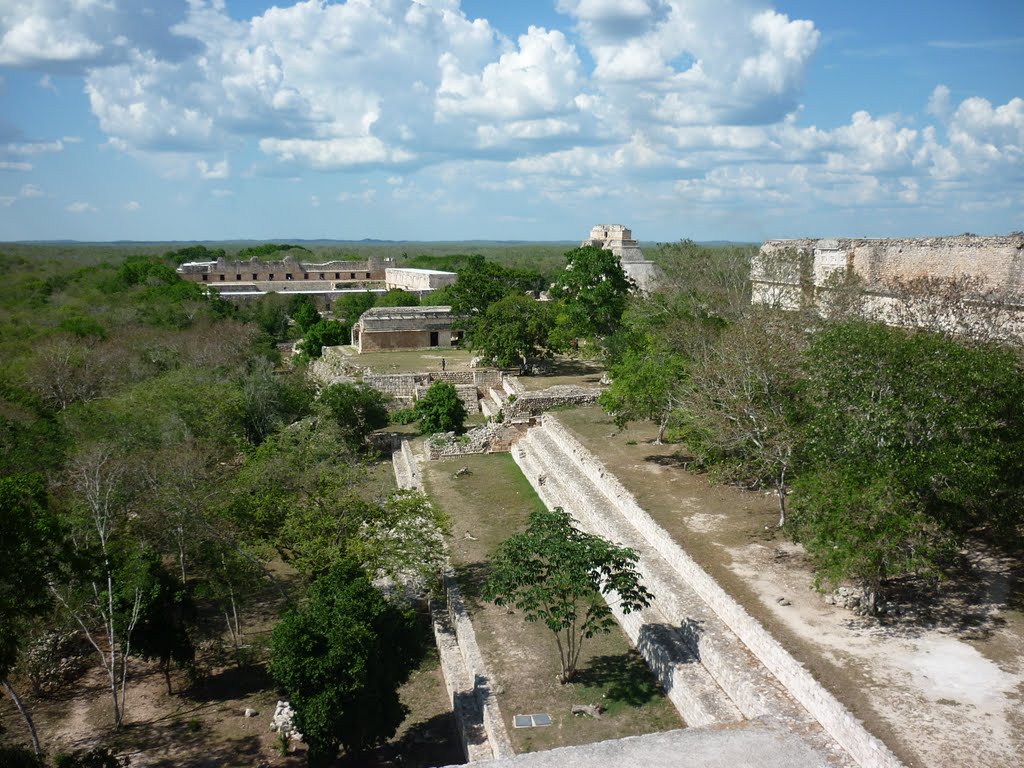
{"x":281,"y":722}
{"x":619,"y":240}
{"x":983,"y":275}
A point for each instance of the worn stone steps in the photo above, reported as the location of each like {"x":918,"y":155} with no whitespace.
{"x":497,"y":396}
{"x":665,"y":645}
{"x":565,"y":475}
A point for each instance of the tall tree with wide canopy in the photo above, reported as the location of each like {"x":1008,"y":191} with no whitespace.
{"x":592,"y":292}
{"x":911,"y":441}
{"x":514,"y":330}
{"x":340,"y":659}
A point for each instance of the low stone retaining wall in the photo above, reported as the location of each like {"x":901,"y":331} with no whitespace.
{"x":862,"y":746}
{"x":481,"y":727}
{"x":406,"y":384}
{"x":489,"y":438}
{"x":536,"y":403}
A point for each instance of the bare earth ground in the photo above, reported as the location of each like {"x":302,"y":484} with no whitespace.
{"x":941,"y":682}
{"x":486,"y":506}
{"x":205,"y":727}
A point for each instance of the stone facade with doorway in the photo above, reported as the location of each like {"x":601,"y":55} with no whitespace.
{"x":395,"y":328}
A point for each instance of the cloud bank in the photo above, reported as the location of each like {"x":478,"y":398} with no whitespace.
{"x":686,"y":102}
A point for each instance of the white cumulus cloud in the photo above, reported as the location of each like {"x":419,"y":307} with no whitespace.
{"x":218,"y":170}
{"x":81,"y":207}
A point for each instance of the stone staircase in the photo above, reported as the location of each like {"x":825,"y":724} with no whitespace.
{"x":493,"y":401}
{"x":708,"y":672}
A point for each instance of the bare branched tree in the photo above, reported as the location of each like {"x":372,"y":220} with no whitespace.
{"x":102,"y":484}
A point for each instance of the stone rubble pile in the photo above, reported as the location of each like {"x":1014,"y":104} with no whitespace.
{"x":281,"y":722}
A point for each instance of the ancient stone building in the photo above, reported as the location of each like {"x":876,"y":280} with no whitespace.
{"x":391,"y":328}
{"x":417,"y":280}
{"x":287,"y":272}
{"x":619,"y":240}
{"x":793,"y":273}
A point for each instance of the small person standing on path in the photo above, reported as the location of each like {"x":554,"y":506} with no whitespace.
{"x":443,"y":364}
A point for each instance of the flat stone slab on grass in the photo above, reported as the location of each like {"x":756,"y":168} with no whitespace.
{"x":531,"y":721}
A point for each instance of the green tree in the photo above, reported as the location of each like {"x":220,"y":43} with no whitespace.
{"x":340,"y":659}
{"x":28,"y":533}
{"x":482,"y":283}
{"x":305,"y":315}
{"x":270,"y":313}
{"x":352,"y":305}
{"x":557,"y":574}
{"x":396,"y":297}
{"x":358,"y":410}
{"x":165,"y":612}
{"x":923,"y":432}
{"x":513,"y":330}
{"x":441,"y":410}
{"x":326,"y":333}
{"x":646,"y":385}
{"x":592,"y":291}
{"x":739,"y":404}
{"x":400,"y":536}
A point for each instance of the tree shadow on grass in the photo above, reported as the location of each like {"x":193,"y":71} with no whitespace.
{"x":186,"y":744}
{"x":232,"y":683}
{"x":624,"y":678}
{"x":567,"y":367}
{"x":677,"y":460}
{"x":472,"y":577}
{"x":430,"y":742}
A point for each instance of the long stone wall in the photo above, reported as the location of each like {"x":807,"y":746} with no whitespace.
{"x":984,"y":279}
{"x":998,"y":260}
{"x":482,"y":731}
{"x":862,"y":746}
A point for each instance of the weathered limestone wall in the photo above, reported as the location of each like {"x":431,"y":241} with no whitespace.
{"x":377,"y":341}
{"x":536,"y":403}
{"x":417,"y":280}
{"x":998,"y":261}
{"x":863,"y":747}
{"x":288,"y":269}
{"x":408,"y":384}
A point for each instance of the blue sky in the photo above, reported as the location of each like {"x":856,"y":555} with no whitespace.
{"x":493,"y":119}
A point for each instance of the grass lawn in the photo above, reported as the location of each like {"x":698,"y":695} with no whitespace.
{"x":564,"y":370}
{"x":486,"y":506}
{"x":413,"y":361}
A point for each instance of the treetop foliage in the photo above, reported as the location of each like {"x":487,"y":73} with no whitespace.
{"x":340,"y":658}
{"x":557,"y":574}
{"x":592,"y":291}
{"x":441,"y":410}
{"x":270,"y":251}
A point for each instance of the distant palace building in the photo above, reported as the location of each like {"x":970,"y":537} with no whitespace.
{"x":619,"y":240}
{"x":324,"y":281}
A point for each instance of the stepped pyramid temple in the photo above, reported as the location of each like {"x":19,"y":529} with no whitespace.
{"x":619,"y":240}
